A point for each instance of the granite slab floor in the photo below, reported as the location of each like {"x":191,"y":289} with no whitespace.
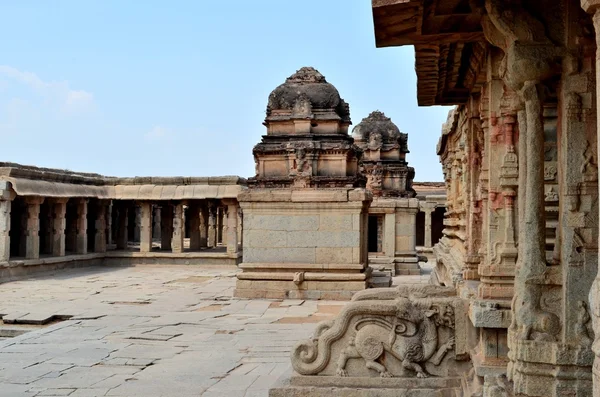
{"x":148,"y":331}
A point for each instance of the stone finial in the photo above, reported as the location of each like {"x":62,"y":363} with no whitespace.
{"x":306,"y":86}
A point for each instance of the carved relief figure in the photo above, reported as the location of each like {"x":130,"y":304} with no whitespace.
{"x":589,"y":169}
{"x":412,"y":338}
{"x":395,"y":332}
{"x":375,"y":141}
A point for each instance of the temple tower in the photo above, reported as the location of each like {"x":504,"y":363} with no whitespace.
{"x":392,"y":215}
{"x":305,"y":212}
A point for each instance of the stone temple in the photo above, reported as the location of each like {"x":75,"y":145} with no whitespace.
{"x":512,"y":304}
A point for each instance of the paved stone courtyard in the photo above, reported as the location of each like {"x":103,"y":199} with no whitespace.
{"x":147,"y":331}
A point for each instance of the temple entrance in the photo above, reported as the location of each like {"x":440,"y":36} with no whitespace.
{"x":437,"y":224}
{"x":420,"y":228}
{"x":374,"y":233}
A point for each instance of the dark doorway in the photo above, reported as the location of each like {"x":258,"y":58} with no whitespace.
{"x":373,"y":242}
{"x":17,"y":232}
{"x":437,"y":224}
{"x":92,"y":214}
{"x":420,"y":237}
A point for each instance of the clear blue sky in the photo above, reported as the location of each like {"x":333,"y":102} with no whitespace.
{"x":169,"y":88}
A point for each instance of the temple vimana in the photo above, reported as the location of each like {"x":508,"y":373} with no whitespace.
{"x":512,"y":305}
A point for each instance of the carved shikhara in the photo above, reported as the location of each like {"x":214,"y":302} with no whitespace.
{"x":408,"y":331}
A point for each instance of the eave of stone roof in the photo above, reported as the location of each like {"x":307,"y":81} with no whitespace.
{"x":449,"y":45}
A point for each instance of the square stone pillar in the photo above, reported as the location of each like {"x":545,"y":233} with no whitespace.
{"x":59,"y":225}
{"x":428,"y":212}
{"x":193,"y":214}
{"x":203,"y":227}
{"x":212,"y":230}
{"x":82,"y":239}
{"x":166,"y":226}
{"x":232,"y":225}
{"x":145,"y":227}
{"x":405,"y":257}
{"x":100,"y":235}
{"x":240,"y":226}
{"x":389,"y":235}
{"x":5,"y":207}
{"x":32,"y":231}
{"x":178,"y":229}
{"x":122,"y":225}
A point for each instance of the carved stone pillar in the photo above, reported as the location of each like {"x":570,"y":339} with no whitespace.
{"x":593,"y":6}
{"x":203,"y":215}
{"x":32,"y":237}
{"x":232,"y":224}
{"x":497,"y":269}
{"x":427,"y":212}
{"x":146,"y":227}
{"x":59,"y":225}
{"x":166,"y":226}
{"x":5,"y":208}
{"x":178,"y":229}
{"x":100,"y":234}
{"x":194,"y":222}
{"x":82,"y":238}
{"x":212,"y":231}
{"x":240,"y":226}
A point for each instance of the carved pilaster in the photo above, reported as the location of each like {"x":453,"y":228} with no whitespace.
{"x":59,"y":225}
{"x":146,"y":227}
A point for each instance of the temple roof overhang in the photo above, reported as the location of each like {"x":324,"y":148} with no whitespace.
{"x":448,"y":40}
{"x":46,"y":182}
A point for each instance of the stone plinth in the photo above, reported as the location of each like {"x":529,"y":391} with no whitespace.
{"x":304,"y":244}
{"x":399,"y":231}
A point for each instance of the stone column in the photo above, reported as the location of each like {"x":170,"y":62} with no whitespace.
{"x":193,"y":214}
{"x":212,"y":232}
{"x":100,"y":235}
{"x":166,"y":226}
{"x":59,"y":225}
{"x":203,"y":227}
{"x":232,"y":224}
{"x":32,"y":231}
{"x":427,"y":211}
{"x":5,"y":207}
{"x":178,"y":229}
{"x":240,"y":226}
{"x":145,"y":227}
{"x":82,"y":239}
{"x":109,"y":236}
{"x":593,"y":6}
